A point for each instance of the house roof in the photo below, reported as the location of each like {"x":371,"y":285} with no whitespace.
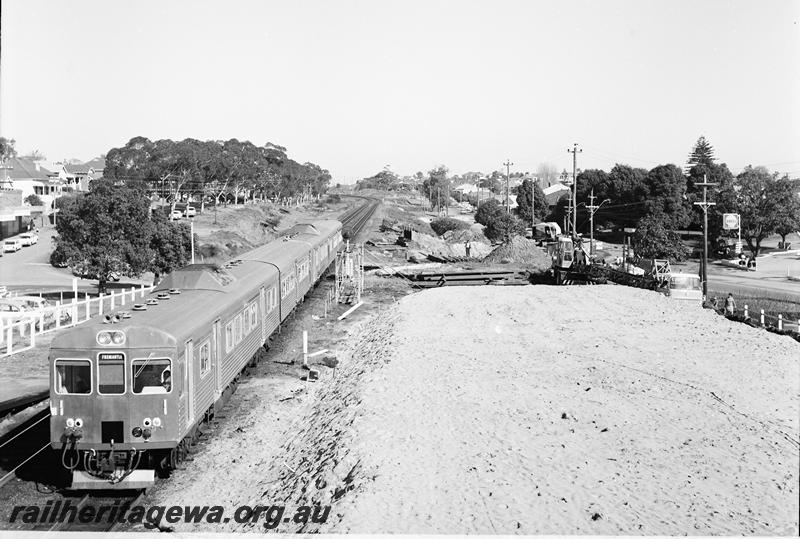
{"x":25,"y":169}
{"x":98,"y":164}
{"x":77,"y":169}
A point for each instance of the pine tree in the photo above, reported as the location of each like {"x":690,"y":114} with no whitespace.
{"x":702,"y":154}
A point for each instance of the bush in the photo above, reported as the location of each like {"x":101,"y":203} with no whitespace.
{"x":443,"y":224}
{"x":503,"y":227}
{"x":34,"y":200}
{"x":333,"y":199}
{"x":488,"y":211}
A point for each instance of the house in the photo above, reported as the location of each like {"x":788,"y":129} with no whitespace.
{"x":466,"y":189}
{"x":554,"y":192}
{"x":14,"y":216}
{"x":78,"y":176}
{"x":30,"y":178}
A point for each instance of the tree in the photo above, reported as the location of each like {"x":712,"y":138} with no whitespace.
{"x":107,"y":230}
{"x":759,"y":197}
{"x":437,"y":186}
{"x":547,"y":174}
{"x":503,"y":226}
{"x":559,"y":212}
{"x":789,"y":214}
{"x":702,"y":154}
{"x":488,"y":211}
{"x":170,"y":244}
{"x":628,"y":189}
{"x":666,"y":186}
{"x":7,"y":150}
{"x":523,"y":193}
{"x":34,"y":200}
{"x":385,"y":180}
{"x":652,"y":239}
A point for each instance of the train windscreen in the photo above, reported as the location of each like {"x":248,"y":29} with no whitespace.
{"x":152,"y":375}
{"x":73,"y":376}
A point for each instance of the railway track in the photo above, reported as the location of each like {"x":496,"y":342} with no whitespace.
{"x":354,"y":220}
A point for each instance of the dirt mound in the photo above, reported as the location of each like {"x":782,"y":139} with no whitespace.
{"x":521,"y":251}
{"x":501,"y":424}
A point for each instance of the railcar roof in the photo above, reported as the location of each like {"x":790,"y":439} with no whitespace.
{"x":206,"y":290}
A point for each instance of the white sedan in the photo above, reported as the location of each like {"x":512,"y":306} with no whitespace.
{"x":28,"y":238}
{"x":12,"y":245}
{"x":175,"y":215}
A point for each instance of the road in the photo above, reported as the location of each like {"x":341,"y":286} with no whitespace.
{"x":770,"y":276}
{"x":29,"y":270}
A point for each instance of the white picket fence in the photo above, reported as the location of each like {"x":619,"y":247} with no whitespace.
{"x":17,"y":336}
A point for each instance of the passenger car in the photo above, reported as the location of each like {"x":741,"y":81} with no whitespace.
{"x":12,"y":245}
{"x":685,"y":286}
{"x":129,"y":392}
{"x":28,"y":238}
{"x":175,"y":215}
{"x":190,"y":211}
{"x":12,"y":310}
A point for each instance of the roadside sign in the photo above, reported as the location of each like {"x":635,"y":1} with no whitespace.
{"x":730,"y":221}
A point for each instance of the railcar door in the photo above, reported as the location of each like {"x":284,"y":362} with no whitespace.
{"x":189,"y":382}
{"x":215,"y":358}
{"x":263,"y":305}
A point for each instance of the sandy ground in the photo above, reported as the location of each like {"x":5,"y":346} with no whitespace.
{"x":578,"y":410}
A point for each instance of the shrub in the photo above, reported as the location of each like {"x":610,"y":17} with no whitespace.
{"x":333,"y":199}
{"x":488,"y":211}
{"x":443,"y":224}
{"x":502,"y":227}
{"x":652,"y":239}
{"x":34,"y":200}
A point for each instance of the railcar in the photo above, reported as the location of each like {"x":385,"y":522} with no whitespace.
{"x":128,"y":392}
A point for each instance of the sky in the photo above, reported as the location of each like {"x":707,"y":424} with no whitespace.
{"x":356,"y":86}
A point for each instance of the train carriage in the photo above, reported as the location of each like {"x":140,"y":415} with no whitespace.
{"x":128,"y":391}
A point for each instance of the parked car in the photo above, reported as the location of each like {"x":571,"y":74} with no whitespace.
{"x":12,"y":310}
{"x":190,"y":211}
{"x":37,"y":304}
{"x":12,"y":245}
{"x":28,"y":238}
{"x":175,"y":215}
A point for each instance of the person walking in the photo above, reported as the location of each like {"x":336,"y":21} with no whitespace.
{"x":467,"y":247}
{"x":730,"y":305}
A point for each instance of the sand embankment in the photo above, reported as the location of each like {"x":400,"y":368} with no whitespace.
{"x":552,"y":410}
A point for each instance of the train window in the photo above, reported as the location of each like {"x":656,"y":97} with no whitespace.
{"x":253,"y":316}
{"x":237,"y":328}
{"x":205,"y":358}
{"x":152,"y":375}
{"x":246,"y":320}
{"x":229,"y":344}
{"x":111,"y":374}
{"x":73,"y":377}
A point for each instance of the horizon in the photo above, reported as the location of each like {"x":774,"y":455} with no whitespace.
{"x":356,"y":87}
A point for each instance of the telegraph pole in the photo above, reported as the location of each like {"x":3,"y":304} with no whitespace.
{"x":533,"y":206}
{"x":574,"y":151}
{"x":705,"y":205}
{"x":508,"y":164}
{"x":592,"y":209}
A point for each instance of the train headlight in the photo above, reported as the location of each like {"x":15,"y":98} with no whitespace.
{"x":70,"y":422}
{"x":137,"y":432}
{"x":78,"y":423}
{"x":156,"y":422}
{"x":146,"y":434}
{"x":147,"y":422}
{"x":111,"y":337}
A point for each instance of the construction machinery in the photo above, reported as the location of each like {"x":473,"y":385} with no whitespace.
{"x":572,"y":263}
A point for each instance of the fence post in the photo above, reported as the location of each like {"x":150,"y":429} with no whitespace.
{"x":141,"y":295}
{"x":33,"y":332}
{"x":780,"y":322}
{"x":762,"y":317}
{"x":100,"y":304}
{"x":58,"y":312}
{"x":133,"y":294}
{"x":2,"y":331}
{"x":745,"y":312}
{"x":112,"y":301}
{"x":122,"y":297}
{"x":10,"y":337}
{"x":88,"y":306}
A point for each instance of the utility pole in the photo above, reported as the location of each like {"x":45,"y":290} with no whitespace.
{"x":508,"y":164}
{"x":592,"y":209}
{"x":705,"y":205}
{"x":574,"y":151}
{"x":533,"y":206}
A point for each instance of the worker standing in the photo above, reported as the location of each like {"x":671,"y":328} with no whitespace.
{"x":730,"y":305}
{"x":467,"y":247}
